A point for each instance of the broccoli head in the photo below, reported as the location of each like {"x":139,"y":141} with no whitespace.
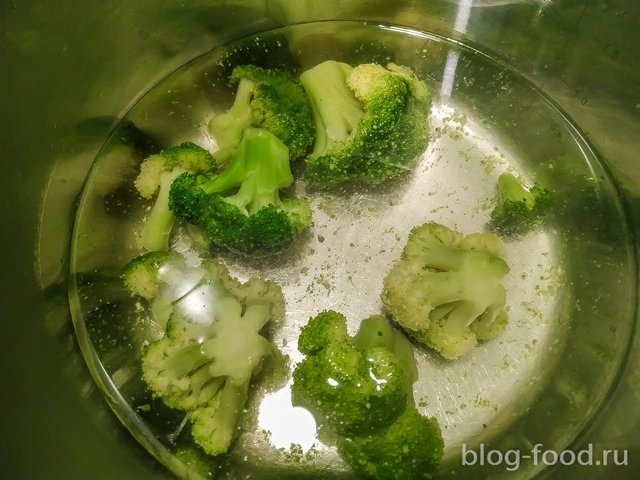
{"x":160,"y":278}
{"x":212,"y":347}
{"x":371,"y":122}
{"x":242,"y":208}
{"x":270,"y":99}
{"x":409,"y":449}
{"x":446,"y":290}
{"x":352,"y":385}
{"x":325,"y":328}
{"x":519,"y":209}
{"x":143,"y":274}
{"x":157,"y":173}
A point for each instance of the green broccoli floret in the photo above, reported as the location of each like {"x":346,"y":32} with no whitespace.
{"x":519,"y":209}
{"x":352,"y":385}
{"x":161,"y":278}
{"x":409,"y":449}
{"x":212,"y":348}
{"x":371,"y":122}
{"x":446,"y":290}
{"x":270,"y":99}
{"x":361,"y":388}
{"x":326,"y":327}
{"x":242,"y":208}
{"x":157,"y":173}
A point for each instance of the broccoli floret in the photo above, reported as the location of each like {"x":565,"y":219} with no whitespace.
{"x":212,"y":348}
{"x":371,"y":122}
{"x":360,"y":388}
{"x":142,"y":275}
{"x":519,"y":209}
{"x":161,"y":278}
{"x":409,"y":449}
{"x":157,"y":173}
{"x":242,"y":208}
{"x":352,"y":385}
{"x":446,"y":290}
{"x":326,"y":327}
{"x":270,"y":99}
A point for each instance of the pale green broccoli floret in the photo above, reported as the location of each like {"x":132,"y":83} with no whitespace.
{"x":214,"y":345}
{"x":446,"y":290}
{"x":142,"y":276}
{"x":157,"y":173}
{"x":371,"y":122}
{"x":161,"y":278}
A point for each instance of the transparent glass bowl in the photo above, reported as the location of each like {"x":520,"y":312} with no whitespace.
{"x":571,"y":290}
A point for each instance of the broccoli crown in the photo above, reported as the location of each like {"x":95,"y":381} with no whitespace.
{"x":351,"y":388}
{"x":409,"y":449}
{"x":144,"y":274}
{"x":446,"y":289}
{"x":371,"y":122}
{"x":241,"y":208}
{"x":325,"y":328}
{"x":161,"y":278}
{"x":184,"y":157}
{"x":212,"y":347}
{"x":519,"y":209}
{"x":270,"y":99}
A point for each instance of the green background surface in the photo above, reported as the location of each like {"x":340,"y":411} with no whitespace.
{"x":69,"y":71}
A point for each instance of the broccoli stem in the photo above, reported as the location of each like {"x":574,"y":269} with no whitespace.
{"x":256,"y":316}
{"x":227,"y":127}
{"x":186,"y":361}
{"x":201,"y":381}
{"x":161,"y":308}
{"x":336,"y":110}
{"x":461,"y":317}
{"x":157,"y":228}
{"x":232,"y":400}
{"x":215,"y":433}
{"x":260,"y":165}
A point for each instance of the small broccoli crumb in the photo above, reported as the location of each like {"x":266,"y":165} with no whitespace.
{"x":144,"y":408}
{"x":490,"y":163}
